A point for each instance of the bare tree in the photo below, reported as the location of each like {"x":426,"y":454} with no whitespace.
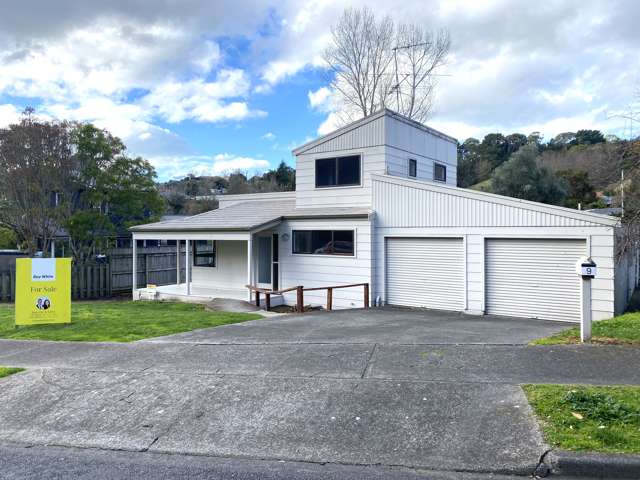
{"x":372,"y":64}
{"x":419,"y":54}
{"x":35,"y":169}
{"x":358,"y":60}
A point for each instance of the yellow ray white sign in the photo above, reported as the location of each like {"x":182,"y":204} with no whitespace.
{"x":43,"y":290}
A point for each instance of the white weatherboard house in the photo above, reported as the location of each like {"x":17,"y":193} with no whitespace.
{"x":376,"y":202}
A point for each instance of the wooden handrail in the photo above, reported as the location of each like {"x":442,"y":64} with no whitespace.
{"x":336,"y":286}
{"x":268,"y":292}
{"x":331,"y":288}
{"x":300,"y":294}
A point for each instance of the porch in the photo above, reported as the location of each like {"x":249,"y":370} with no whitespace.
{"x":212,"y":265}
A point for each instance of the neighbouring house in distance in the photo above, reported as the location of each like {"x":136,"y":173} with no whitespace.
{"x":376,"y":202}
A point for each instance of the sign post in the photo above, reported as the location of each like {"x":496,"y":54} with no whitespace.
{"x":587,"y":269}
{"x":43,"y":291}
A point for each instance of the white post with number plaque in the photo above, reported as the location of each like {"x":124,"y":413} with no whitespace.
{"x":587,"y":269}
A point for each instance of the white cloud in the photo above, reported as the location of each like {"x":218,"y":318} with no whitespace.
{"x":201,"y":100}
{"x":320,"y":99}
{"x":270,"y":136}
{"x":124,"y":75}
{"x":331,"y":123}
{"x":226,"y":163}
{"x":8,"y":114}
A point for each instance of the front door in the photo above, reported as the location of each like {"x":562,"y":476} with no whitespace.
{"x":264,"y":262}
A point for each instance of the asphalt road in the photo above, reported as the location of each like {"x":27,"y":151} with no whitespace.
{"x":36,"y":463}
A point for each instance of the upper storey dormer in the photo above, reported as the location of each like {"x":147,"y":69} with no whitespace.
{"x":336,"y":169}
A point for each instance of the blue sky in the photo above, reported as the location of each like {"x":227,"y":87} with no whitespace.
{"x":211,"y":87}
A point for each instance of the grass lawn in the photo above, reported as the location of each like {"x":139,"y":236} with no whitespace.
{"x":586,"y":418}
{"x":6,"y":371}
{"x":121,"y":321}
{"x":623,"y":330}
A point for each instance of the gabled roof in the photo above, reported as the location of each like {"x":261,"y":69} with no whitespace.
{"x":248,"y":216}
{"x":385,"y":112}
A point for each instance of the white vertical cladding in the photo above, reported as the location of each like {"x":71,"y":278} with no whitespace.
{"x":405,"y":140}
{"x":327,"y":270}
{"x":407,"y":208}
{"x":407,"y":203}
{"x":475,"y":274}
{"x":230,"y":269}
{"x":365,"y":139}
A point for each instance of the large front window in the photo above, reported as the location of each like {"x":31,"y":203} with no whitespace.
{"x":338,"y":171}
{"x":204,"y":253}
{"x":323,"y":242}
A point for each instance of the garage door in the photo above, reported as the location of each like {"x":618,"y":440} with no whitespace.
{"x":425,"y":272}
{"x":533,"y":278}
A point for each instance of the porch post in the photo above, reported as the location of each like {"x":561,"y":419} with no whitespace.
{"x":249,"y":272}
{"x":134,"y":277}
{"x":53,"y":248}
{"x":178,"y":262}
{"x":187,"y":266}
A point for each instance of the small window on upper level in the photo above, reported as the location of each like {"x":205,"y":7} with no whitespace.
{"x":413,"y":167}
{"x":439,"y":172}
{"x":338,"y":171}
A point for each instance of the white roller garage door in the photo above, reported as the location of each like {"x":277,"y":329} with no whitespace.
{"x":425,"y":272}
{"x":533,"y":278}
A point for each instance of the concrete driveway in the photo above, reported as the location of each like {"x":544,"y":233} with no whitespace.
{"x":388,"y":325}
{"x":380,"y":388}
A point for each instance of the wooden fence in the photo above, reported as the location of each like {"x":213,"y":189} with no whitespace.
{"x":156,"y":265}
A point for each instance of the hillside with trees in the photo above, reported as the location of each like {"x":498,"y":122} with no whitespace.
{"x":196,"y":194}
{"x":572,"y":169}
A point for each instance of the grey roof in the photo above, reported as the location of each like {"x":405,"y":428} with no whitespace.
{"x":246,"y":216}
{"x":612,"y":211}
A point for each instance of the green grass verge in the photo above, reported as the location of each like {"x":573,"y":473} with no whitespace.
{"x":586,"y":418}
{"x":121,"y":321}
{"x":622,"y":330}
{"x":6,"y":371}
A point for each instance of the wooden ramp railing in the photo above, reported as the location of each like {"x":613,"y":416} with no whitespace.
{"x":300,"y":294}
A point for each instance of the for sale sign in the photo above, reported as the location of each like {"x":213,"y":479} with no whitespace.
{"x":43,"y":291}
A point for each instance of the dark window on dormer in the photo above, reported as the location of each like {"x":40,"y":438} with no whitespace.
{"x":413,"y":167}
{"x":439,"y":172}
{"x":338,"y":171}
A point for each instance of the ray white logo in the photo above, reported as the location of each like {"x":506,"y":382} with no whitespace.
{"x":43,"y":270}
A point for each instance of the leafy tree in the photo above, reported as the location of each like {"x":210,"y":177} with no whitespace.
{"x":536,"y":138}
{"x":514,"y":142}
{"x":8,"y":238}
{"x":588,"y":137}
{"x":522,"y":177}
{"x":113,"y":191}
{"x":468,"y":162}
{"x":579,"y":189}
{"x":494,"y":149}
{"x":562,"y":140}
